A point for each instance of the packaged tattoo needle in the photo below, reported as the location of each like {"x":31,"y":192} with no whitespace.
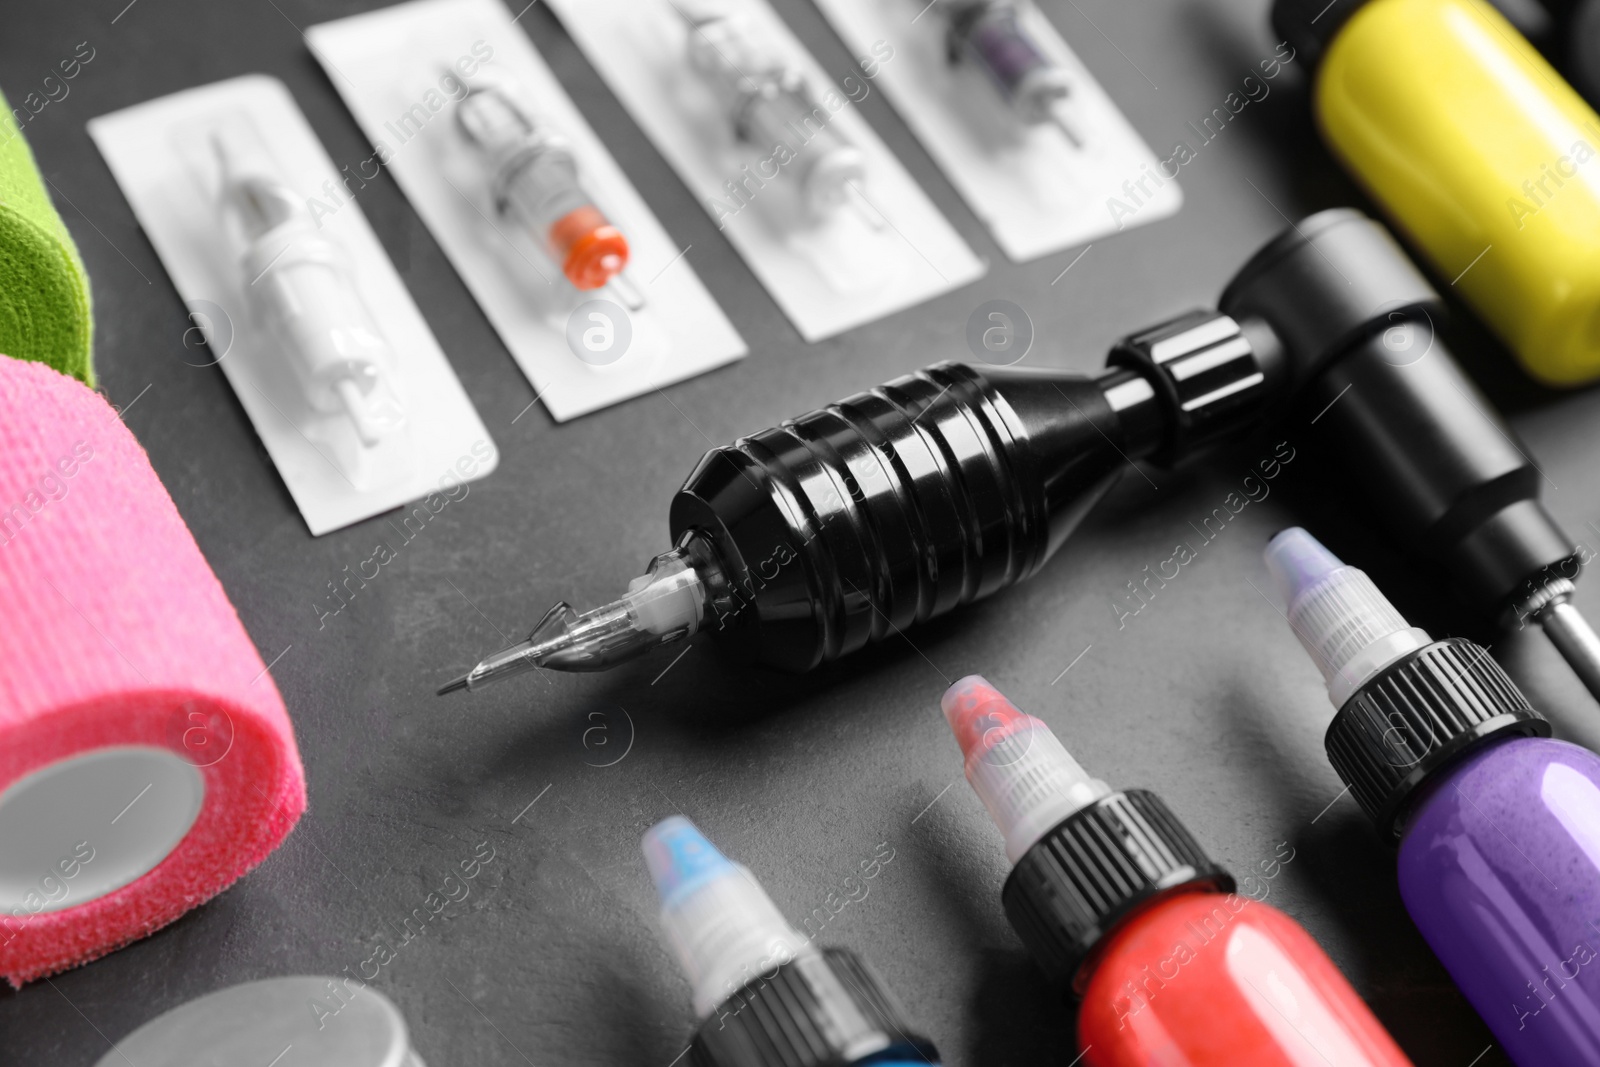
{"x":296,"y":299}
{"x":1017,"y":122}
{"x":771,"y":144}
{"x":592,"y":297}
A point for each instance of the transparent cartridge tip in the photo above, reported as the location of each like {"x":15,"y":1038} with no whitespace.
{"x":1350,"y":629}
{"x":666,"y":603}
{"x":724,"y":929}
{"x":1018,"y":768}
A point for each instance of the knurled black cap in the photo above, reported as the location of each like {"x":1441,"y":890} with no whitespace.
{"x":1418,"y":715}
{"x":1096,"y":866}
{"x":1309,"y":25}
{"x":821,"y":1009}
{"x":1215,"y":376}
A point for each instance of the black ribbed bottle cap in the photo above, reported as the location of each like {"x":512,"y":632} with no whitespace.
{"x":1417,"y":715}
{"x":1096,"y":866}
{"x":821,"y":1009}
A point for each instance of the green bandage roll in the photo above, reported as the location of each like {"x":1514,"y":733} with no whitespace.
{"x":44,"y":290}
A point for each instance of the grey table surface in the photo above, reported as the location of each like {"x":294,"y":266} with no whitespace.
{"x":556,"y":956}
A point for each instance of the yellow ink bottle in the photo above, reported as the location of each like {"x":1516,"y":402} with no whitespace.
{"x":1478,"y":151}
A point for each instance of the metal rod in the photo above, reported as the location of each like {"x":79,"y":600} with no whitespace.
{"x":1575,"y":639}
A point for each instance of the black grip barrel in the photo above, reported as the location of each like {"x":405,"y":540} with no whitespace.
{"x":858,"y":520}
{"x":855,"y":521}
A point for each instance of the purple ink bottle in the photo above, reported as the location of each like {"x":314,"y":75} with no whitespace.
{"x":1498,"y":824}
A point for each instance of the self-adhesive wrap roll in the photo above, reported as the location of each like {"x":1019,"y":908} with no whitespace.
{"x":44,"y":290}
{"x":146,"y":758}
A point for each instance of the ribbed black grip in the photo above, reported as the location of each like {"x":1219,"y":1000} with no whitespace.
{"x":1419,"y":714}
{"x":1070,"y":888}
{"x":826,"y":1009}
{"x":1212,"y":374}
{"x":851,"y":523}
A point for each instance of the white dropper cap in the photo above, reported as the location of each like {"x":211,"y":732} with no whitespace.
{"x":1023,"y":775}
{"x":1348,"y":626}
{"x":724,"y":928}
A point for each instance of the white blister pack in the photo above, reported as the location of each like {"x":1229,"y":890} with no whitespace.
{"x":816,"y":204}
{"x":341,"y":377}
{"x":1024,"y":132}
{"x":588,"y":292}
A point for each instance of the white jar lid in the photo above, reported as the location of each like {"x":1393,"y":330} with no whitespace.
{"x":303,"y":1020}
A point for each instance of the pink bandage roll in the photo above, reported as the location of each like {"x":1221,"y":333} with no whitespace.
{"x":146,"y":759}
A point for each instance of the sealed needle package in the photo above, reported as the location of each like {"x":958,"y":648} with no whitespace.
{"x":1025,"y":133}
{"x":771,"y":145}
{"x":299,"y":305}
{"x":594,"y":300}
